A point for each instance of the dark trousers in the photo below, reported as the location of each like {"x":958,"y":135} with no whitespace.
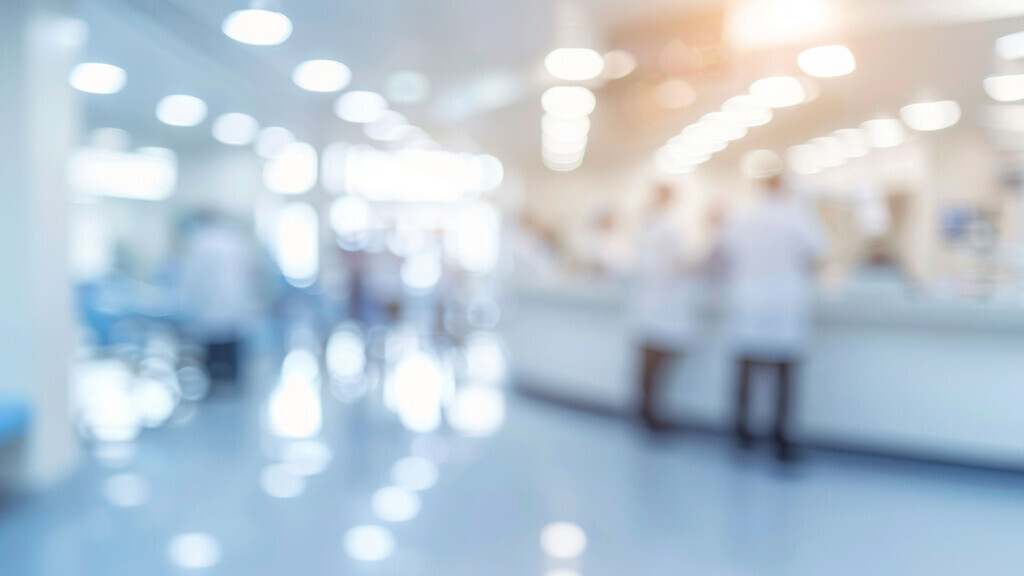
{"x":654,"y":360}
{"x":783,"y":400}
{"x":222,"y":360}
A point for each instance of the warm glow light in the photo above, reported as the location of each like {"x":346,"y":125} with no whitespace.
{"x":884,"y":132}
{"x":322,"y":76}
{"x":761,"y":23}
{"x":360,"y":107}
{"x":1011,"y":46}
{"x":778,"y":91}
{"x":574,"y":64}
{"x":726,"y":125}
{"x":97,"y":78}
{"x":747,"y":111}
{"x":1009,"y":88}
{"x":257,"y":27}
{"x":568,"y":101}
{"x":931,"y":116}
{"x":181,"y":110}
{"x":293,"y":171}
{"x":235,"y":129}
{"x":827,"y":61}
{"x":618,"y":64}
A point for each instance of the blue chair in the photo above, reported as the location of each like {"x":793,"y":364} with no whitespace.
{"x":14,"y":420}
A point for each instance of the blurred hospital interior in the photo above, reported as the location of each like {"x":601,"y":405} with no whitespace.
{"x":530,"y":288}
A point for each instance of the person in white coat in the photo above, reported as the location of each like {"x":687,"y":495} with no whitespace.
{"x":770,"y":252}
{"x":662,"y":314}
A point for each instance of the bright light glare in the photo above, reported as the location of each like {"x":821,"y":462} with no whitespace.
{"x":563,"y":540}
{"x":235,"y":129}
{"x":181,"y":110}
{"x":322,"y":76}
{"x":761,"y":23}
{"x":194,"y":550}
{"x":293,"y":171}
{"x":418,"y":388}
{"x":394,"y":504}
{"x":1011,"y":46}
{"x":618,"y":64}
{"x":350,"y":218}
{"x":884,"y":132}
{"x":97,"y":172}
{"x":407,"y":87}
{"x":1009,"y":88}
{"x":853,"y":142}
{"x":297,"y":244}
{"x":574,"y":64}
{"x":346,"y":355}
{"x":257,"y":27}
{"x":414,"y":473}
{"x":827,"y":61}
{"x":360,"y":107}
{"x":279,"y":482}
{"x":747,"y":111}
{"x":272,"y":141}
{"x":778,"y":91}
{"x":294,"y":407}
{"x":369,"y":543}
{"x":554,"y":128}
{"x":97,"y":78}
{"x":477,"y":411}
{"x":931,"y":116}
{"x":568,"y":101}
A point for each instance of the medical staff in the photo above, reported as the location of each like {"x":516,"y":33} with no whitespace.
{"x":663,"y":318}
{"x":770,"y":251}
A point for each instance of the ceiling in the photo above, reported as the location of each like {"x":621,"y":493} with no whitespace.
{"x":494,"y":47}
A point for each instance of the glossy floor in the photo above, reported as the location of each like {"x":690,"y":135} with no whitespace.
{"x":205,"y":496}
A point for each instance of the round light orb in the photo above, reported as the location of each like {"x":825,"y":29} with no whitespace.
{"x":235,"y":129}
{"x":563,"y":540}
{"x":568,"y":101}
{"x":369,"y":543}
{"x":778,"y":91}
{"x":827,"y":61}
{"x":257,"y":27}
{"x":1006,"y":88}
{"x":98,"y":78}
{"x":931,"y":116}
{"x":181,"y":110}
{"x":574,"y":64}
{"x":322,"y":76}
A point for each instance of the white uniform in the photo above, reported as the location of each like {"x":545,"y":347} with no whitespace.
{"x":662,"y":297}
{"x":770,"y":251}
{"x":217,"y":283}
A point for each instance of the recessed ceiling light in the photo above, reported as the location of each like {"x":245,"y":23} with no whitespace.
{"x":1009,"y":88}
{"x":931,"y":116}
{"x":884,"y":132}
{"x":747,"y":111}
{"x":360,"y":107}
{"x":235,"y":129}
{"x":778,"y":91}
{"x":827,"y":61}
{"x":97,"y":78}
{"x":322,"y":76}
{"x":1011,"y":46}
{"x":181,"y":110}
{"x":257,"y":27}
{"x":568,"y":101}
{"x":574,"y":64}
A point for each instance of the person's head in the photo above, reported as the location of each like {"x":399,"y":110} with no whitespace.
{"x":664,"y":196}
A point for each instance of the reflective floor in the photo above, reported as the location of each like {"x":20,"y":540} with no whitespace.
{"x":553,"y":492}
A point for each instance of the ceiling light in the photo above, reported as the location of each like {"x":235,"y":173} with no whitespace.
{"x":827,"y":61}
{"x":322,"y":76}
{"x":1011,"y":46}
{"x":725,"y":125}
{"x":557,"y":128}
{"x":360,"y":107}
{"x":568,"y":101}
{"x":778,"y":91}
{"x":293,"y":171}
{"x":235,"y":129}
{"x":674,"y":94}
{"x":272,"y":141}
{"x":618,"y":64}
{"x":931,"y":116}
{"x":97,"y":78}
{"x":257,"y":27}
{"x":831,"y":151}
{"x":574,"y":64}
{"x":407,"y":87}
{"x":1008,"y":88}
{"x":853,"y":143}
{"x":747,"y":111}
{"x":804,"y":159}
{"x":181,"y":110}
{"x":884,"y":132}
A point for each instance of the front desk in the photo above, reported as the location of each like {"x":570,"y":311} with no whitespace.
{"x":893,"y":375}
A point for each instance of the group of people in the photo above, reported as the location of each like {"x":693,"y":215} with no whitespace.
{"x":767,"y":255}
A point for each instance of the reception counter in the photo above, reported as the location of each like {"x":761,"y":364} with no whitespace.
{"x":894,"y":375}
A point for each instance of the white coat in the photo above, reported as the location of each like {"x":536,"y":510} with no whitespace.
{"x":662,"y":307}
{"x":770,"y":251}
{"x":218,"y":290}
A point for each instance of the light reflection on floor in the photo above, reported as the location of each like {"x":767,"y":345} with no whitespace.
{"x":502,"y":486}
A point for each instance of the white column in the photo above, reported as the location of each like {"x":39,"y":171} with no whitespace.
{"x":38,"y":126}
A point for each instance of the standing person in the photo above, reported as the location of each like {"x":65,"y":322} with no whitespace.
{"x":218,"y":292}
{"x":770,"y":252}
{"x":662,"y":311}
